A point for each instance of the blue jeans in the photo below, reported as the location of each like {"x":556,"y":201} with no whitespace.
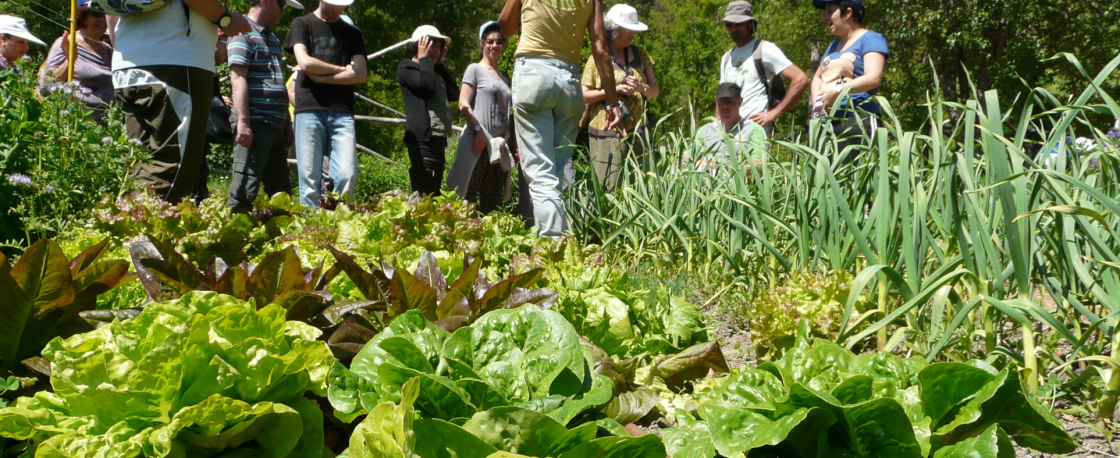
{"x":547,"y":105}
{"x":313,"y":130}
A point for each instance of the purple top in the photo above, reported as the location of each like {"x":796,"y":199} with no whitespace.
{"x":92,"y":71}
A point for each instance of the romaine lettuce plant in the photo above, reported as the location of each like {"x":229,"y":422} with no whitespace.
{"x":822,"y":400}
{"x":526,"y":357}
{"x":200,"y":376}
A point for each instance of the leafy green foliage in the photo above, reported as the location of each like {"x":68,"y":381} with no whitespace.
{"x":820,"y":399}
{"x":202,"y":375}
{"x":599,"y":301}
{"x":390,"y":430}
{"x":525,"y":357}
{"x":817,"y":299}
{"x":45,"y":296}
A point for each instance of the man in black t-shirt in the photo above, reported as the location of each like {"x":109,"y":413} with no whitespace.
{"x":331,"y":57}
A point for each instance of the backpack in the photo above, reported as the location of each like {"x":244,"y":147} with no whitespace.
{"x":775,"y":86}
{"x":127,"y":7}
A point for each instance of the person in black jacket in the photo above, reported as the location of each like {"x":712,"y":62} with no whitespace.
{"x":426,"y":86}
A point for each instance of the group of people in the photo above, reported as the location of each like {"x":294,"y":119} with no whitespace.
{"x":160,"y":66}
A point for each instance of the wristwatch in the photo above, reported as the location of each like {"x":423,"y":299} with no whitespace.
{"x":225,"y":20}
{"x":478,"y":128}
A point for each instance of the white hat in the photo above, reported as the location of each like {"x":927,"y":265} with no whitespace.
{"x":626,"y":17}
{"x":294,"y":4}
{"x":346,"y":19}
{"x":17,"y":27}
{"x":339,"y":2}
{"x":429,"y":31}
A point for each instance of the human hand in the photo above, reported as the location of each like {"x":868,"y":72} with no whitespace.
{"x":244,"y":133}
{"x":829,"y":98}
{"x":237,"y":26}
{"x":227,"y":101}
{"x":632,"y":80}
{"x":442,"y":53}
{"x":765,"y":118}
{"x":479,"y":142}
{"x":624,"y":89}
{"x":427,"y":47}
{"x":614,"y":117}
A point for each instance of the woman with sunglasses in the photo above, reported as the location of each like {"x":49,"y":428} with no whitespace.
{"x":92,"y":73}
{"x":480,"y":175}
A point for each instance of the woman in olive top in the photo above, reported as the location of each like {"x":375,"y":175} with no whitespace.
{"x":635,"y":82}
{"x":547,"y":98}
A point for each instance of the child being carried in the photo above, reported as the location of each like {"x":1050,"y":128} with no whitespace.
{"x":833,"y":73}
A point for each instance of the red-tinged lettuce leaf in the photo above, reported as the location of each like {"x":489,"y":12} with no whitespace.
{"x":35,"y":288}
{"x":460,"y":290}
{"x":88,"y":256}
{"x":373,"y":286}
{"x":279,"y":273}
{"x":407,"y":292}
{"x":693,"y":363}
{"x":94,"y":280}
{"x":428,"y":271}
{"x":350,"y":337}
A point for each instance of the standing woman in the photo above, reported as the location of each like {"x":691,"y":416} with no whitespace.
{"x":633,"y":72}
{"x":858,"y":113}
{"x":14,"y":42}
{"x":92,"y":70}
{"x":484,"y":99}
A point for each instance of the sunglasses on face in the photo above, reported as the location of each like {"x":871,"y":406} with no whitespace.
{"x":495,"y":42}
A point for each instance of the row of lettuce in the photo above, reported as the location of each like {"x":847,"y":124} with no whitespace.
{"x":412,"y":328}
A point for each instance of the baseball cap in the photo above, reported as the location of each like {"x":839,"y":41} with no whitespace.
{"x":820,"y":4}
{"x":338,"y":2}
{"x":738,"y":12}
{"x":626,"y":17}
{"x":731,"y":90}
{"x":429,"y":31}
{"x":17,"y":27}
{"x":487,"y":25}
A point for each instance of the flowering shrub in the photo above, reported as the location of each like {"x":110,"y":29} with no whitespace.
{"x":55,"y":162}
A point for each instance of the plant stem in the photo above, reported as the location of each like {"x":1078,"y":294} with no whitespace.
{"x":882,"y":336}
{"x":1030,"y":361}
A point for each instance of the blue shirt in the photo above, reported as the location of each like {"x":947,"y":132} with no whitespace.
{"x":259,"y":50}
{"x":868,"y":42}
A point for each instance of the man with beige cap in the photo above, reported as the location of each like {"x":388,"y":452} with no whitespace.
{"x":741,"y":66}
{"x":14,"y":41}
{"x":332,"y":60}
{"x":426,"y":87}
{"x":547,"y":95}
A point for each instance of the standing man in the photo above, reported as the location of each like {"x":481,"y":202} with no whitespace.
{"x":738,"y":66}
{"x":164,"y":81}
{"x":332,"y":60}
{"x":264,"y":131}
{"x":163,"y":76}
{"x":547,"y":96}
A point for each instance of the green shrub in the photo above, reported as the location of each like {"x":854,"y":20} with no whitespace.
{"x":376,"y":176}
{"x":55,"y":162}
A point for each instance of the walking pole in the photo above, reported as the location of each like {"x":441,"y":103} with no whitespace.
{"x":73,"y":40}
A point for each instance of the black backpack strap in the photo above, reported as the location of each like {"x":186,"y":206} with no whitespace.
{"x":762,"y":78}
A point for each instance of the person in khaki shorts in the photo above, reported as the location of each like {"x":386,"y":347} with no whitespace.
{"x":633,"y":73}
{"x":547,"y":98}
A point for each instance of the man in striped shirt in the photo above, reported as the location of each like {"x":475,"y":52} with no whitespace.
{"x":264,"y":129}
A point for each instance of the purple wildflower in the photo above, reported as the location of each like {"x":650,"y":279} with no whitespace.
{"x":20,"y":179}
{"x":49,"y":189}
{"x":136,"y":141}
{"x":1114,"y":134}
{"x":64,"y":112}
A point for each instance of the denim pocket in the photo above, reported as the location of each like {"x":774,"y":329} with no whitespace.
{"x":532,"y":86}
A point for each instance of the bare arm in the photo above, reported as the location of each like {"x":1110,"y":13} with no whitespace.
{"x":872,"y":77}
{"x":798,"y":82}
{"x":292,"y":88}
{"x":602,"y":57}
{"x":653,"y":88}
{"x":466,"y":92}
{"x":237,"y":75}
{"x":213,"y":10}
{"x":510,"y":18}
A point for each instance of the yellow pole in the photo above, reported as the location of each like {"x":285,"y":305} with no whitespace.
{"x":73,"y":40}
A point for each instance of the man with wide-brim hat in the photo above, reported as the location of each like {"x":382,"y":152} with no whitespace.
{"x":740,"y":65}
{"x":332,"y":60}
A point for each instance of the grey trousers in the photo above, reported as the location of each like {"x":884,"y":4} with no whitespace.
{"x":265,"y":161}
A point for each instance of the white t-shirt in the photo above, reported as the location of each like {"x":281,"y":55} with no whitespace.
{"x":160,"y":38}
{"x":737,"y":67}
